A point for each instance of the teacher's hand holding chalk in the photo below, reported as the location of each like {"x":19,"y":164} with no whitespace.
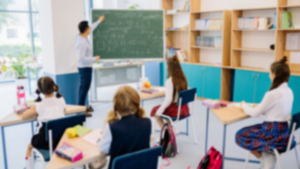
{"x":101,"y":18}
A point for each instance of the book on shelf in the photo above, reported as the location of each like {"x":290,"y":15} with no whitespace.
{"x":170,"y":51}
{"x":187,"y":9}
{"x":172,"y":11}
{"x":286,"y":20}
{"x":209,"y":41}
{"x":181,"y":55}
{"x":209,"y":24}
{"x":183,"y":28}
{"x":255,"y":23}
{"x":275,"y":20}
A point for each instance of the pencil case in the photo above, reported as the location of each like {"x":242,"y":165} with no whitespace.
{"x":214,"y":104}
{"x":69,"y":152}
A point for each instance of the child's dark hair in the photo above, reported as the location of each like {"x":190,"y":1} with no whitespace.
{"x":46,"y":86}
{"x":282,"y":72}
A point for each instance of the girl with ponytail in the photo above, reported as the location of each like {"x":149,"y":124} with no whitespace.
{"x":126,"y":130}
{"x":276,"y":106}
{"x":51,"y":107}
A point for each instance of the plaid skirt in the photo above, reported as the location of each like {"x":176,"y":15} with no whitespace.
{"x":172,"y":110}
{"x":264,"y":137}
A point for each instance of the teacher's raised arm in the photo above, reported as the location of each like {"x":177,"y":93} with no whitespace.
{"x":86,"y":59}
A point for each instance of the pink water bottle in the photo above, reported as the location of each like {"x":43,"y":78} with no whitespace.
{"x":21,"y":95}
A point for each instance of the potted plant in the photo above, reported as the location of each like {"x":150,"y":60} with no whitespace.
{"x":17,"y":68}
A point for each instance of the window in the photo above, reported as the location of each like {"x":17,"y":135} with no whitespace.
{"x":19,"y":29}
{"x":11,"y":33}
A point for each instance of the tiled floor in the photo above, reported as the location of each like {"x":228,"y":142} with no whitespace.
{"x":18,"y":137}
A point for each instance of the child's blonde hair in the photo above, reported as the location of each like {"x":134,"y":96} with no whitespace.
{"x":126,"y":101}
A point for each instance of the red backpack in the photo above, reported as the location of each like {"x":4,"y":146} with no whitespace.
{"x":168,"y":141}
{"x":212,"y":160}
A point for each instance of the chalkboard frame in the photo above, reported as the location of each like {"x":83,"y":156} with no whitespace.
{"x":145,"y":59}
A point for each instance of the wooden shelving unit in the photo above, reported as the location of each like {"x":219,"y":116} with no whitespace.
{"x":281,"y":36}
{"x":175,"y":38}
{"x":195,"y":51}
{"x":231,"y":53}
{"x":237,"y":48}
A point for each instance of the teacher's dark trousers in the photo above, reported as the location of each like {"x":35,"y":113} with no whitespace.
{"x":85,"y":83}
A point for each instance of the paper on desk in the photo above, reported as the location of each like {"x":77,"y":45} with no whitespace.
{"x":292,"y":41}
{"x":93,"y":137}
{"x":161,"y":89}
{"x":81,"y":130}
{"x":235,"y":105}
{"x":295,"y":57}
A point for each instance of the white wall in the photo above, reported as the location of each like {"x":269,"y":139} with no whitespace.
{"x":47,"y":36}
{"x":59,"y":28}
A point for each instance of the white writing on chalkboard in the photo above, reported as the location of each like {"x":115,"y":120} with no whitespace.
{"x":129,"y":34}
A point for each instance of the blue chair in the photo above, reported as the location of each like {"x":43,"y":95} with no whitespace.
{"x":185,"y":97}
{"x":145,"y":159}
{"x":54,"y":130}
{"x":294,"y":125}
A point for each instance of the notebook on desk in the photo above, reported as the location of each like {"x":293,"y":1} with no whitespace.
{"x":93,"y":137}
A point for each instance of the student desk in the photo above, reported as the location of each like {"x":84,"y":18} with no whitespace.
{"x":117,"y":74}
{"x":149,"y":96}
{"x":228,"y":115}
{"x":13,"y":119}
{"x":91,"y":153}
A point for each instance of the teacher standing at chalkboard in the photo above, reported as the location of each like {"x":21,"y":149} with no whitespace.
{"x":85,"y":60}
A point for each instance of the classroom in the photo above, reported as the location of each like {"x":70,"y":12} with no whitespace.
{"x":149,"y":84}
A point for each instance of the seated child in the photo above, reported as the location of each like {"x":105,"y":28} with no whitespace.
{"x":51,"y":107}
{"x":276,"y":106}
{"x":127,"y":130}
{"x":175,"y":83}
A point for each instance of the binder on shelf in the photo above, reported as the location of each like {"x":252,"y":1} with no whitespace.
{"x":209,"y":41}
{"x":286,"y":20}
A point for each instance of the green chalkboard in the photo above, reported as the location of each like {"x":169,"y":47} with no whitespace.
{"x":129,"y":34}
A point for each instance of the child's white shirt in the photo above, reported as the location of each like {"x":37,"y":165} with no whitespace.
{"x":276,"y":105}
{"x":50,"y":108}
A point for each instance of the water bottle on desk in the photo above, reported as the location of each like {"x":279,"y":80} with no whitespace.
{"x":21,"y":95}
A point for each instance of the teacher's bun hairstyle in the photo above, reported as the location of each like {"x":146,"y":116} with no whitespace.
{"x":83,"y":25}
{"x":282,"y":72}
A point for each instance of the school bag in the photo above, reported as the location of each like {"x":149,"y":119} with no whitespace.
{"x":211,"y":160}
{"x":168,"y":141}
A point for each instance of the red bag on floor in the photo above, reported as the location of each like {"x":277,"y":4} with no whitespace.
{"x":212,"y":160}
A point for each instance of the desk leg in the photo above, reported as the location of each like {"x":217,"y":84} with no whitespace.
{"x":206,"y":134}
{"x":187,"y":126}
{"x":4,"y":147}
{"x":224,"y":143}
{"x":32,"y":128}
{"x":29,"y":80}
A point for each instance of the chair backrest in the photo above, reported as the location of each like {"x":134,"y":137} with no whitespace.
{"x":145,"y":159}
{"x":186,"y":96}
{"x":295,"y":124}
{"x":295,"y":120}
{"x":58,"y":126}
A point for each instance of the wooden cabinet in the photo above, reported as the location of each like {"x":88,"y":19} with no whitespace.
{"x":250,"y":86}
{"x":294,"y":84}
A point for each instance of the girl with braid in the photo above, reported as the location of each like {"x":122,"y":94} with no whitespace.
{"x":51,"y":107}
